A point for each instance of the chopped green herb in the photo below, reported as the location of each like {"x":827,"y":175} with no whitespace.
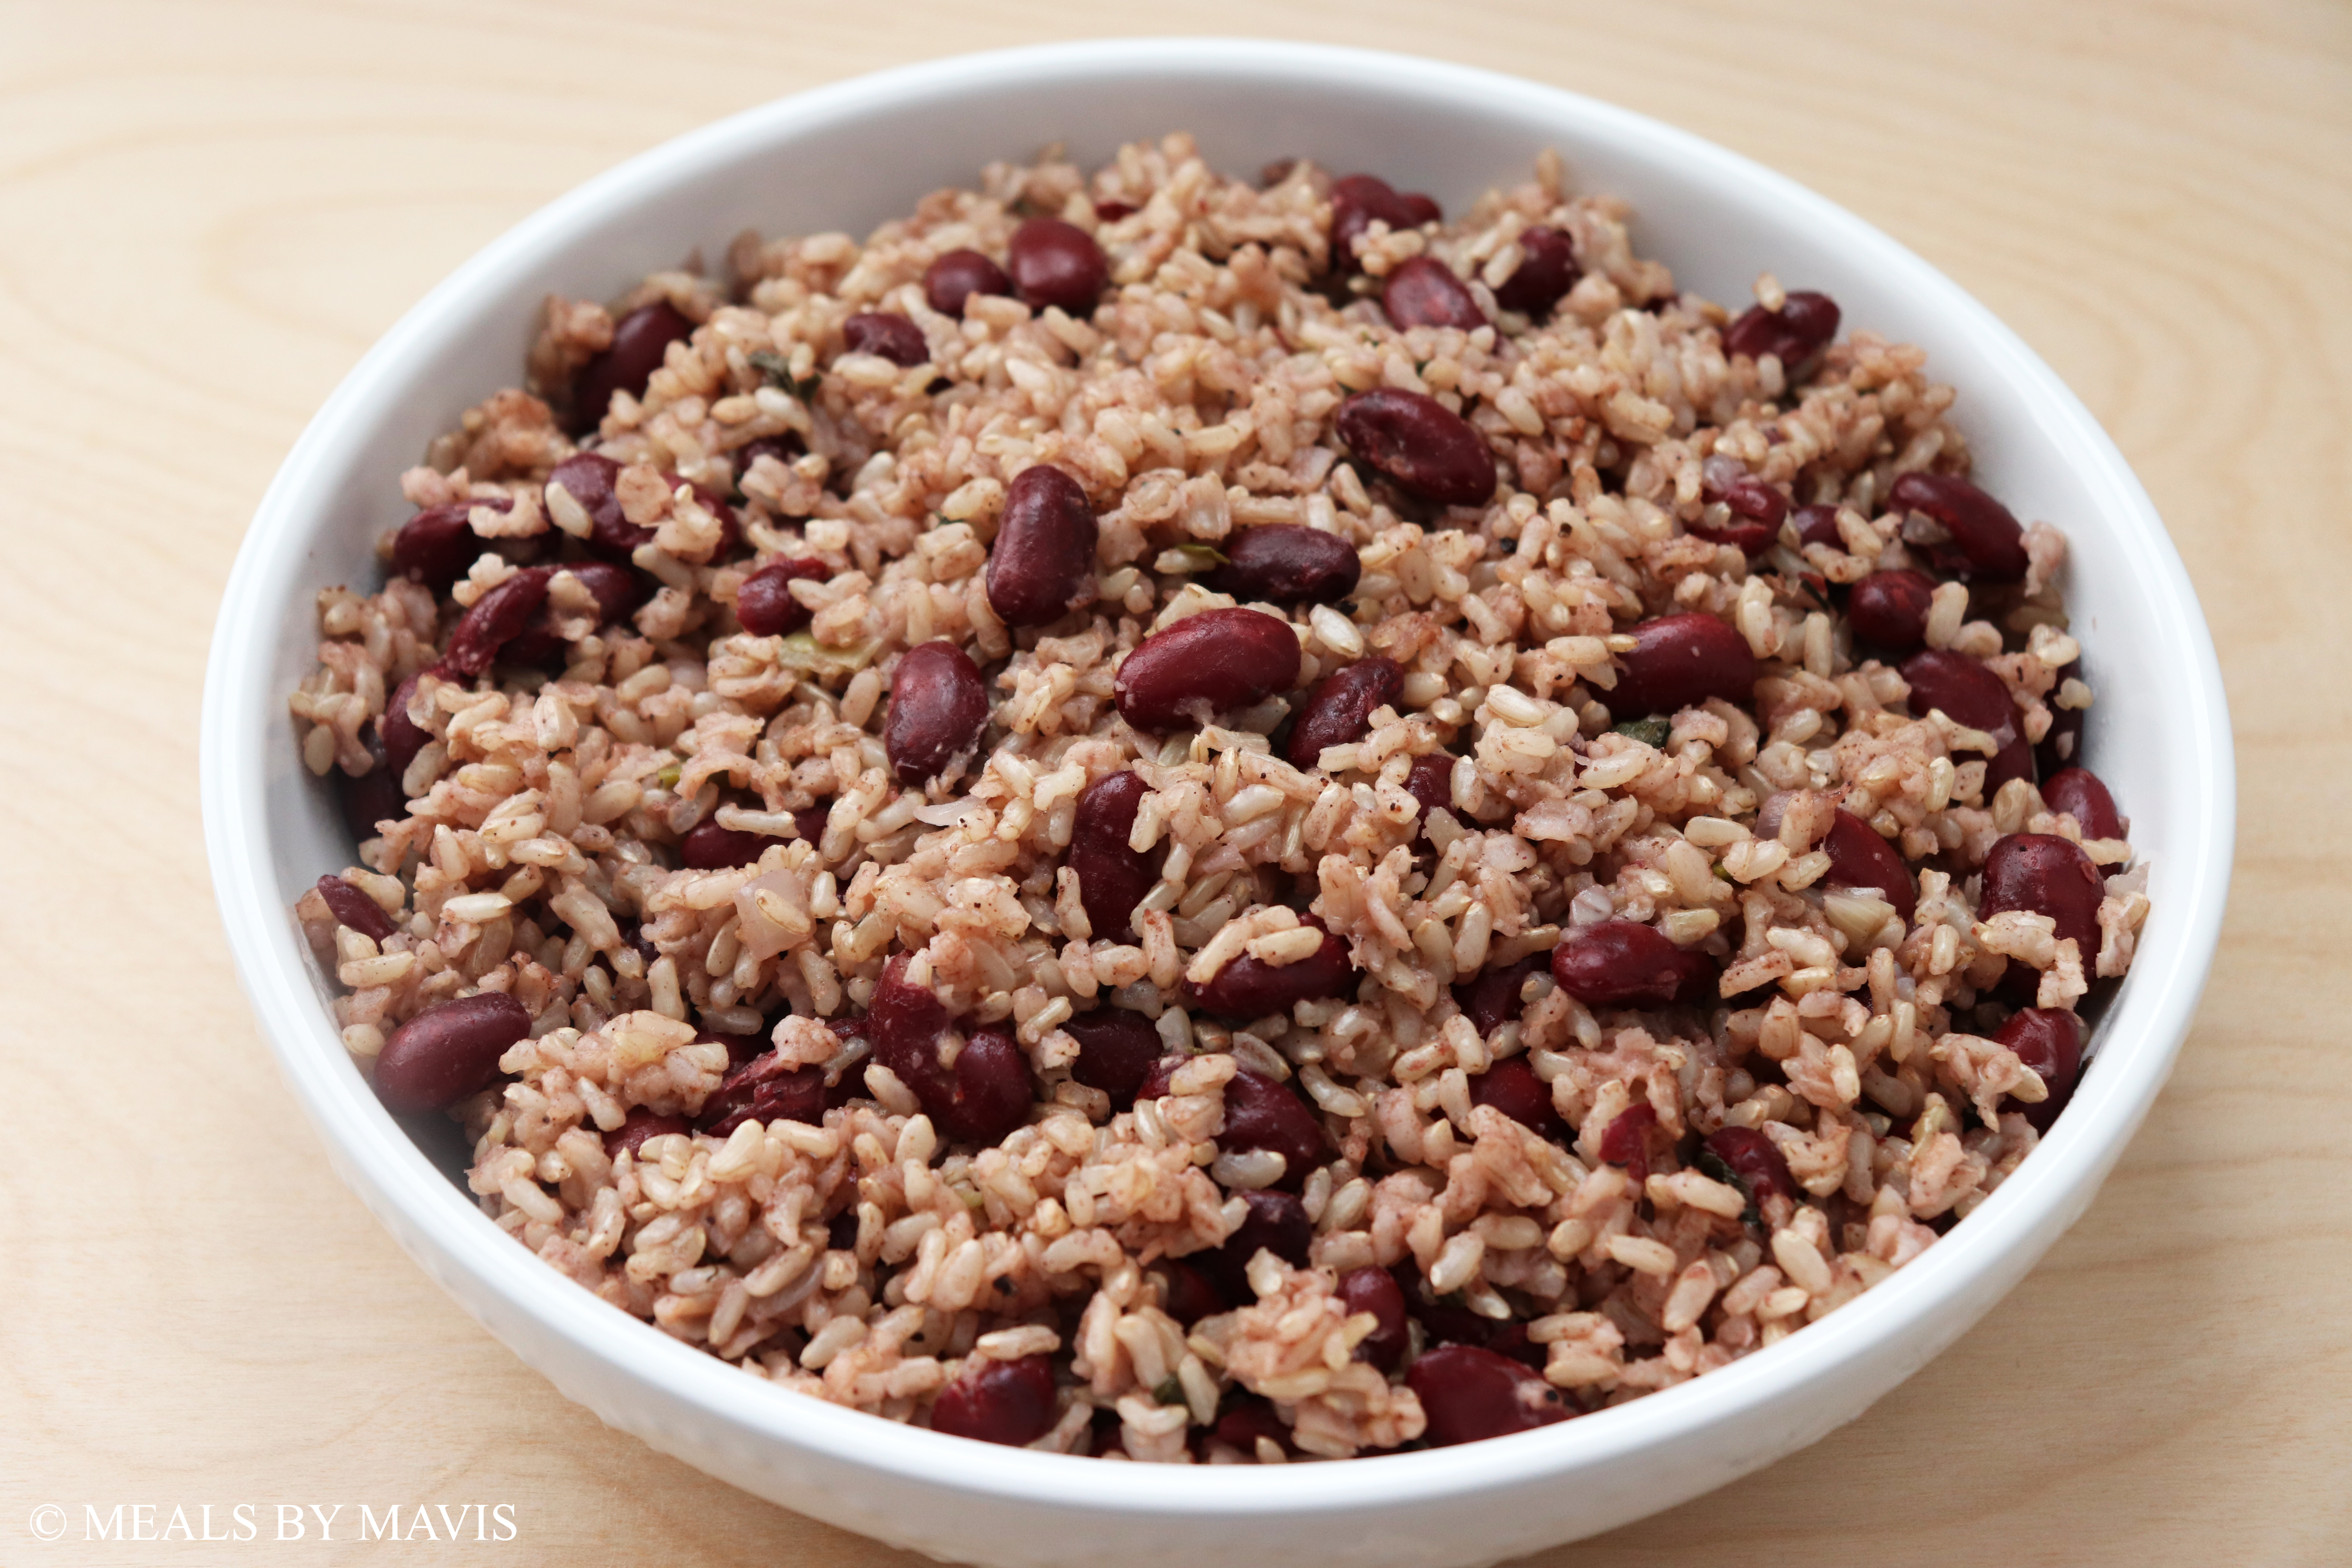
{"x":772,"y":367}
{"x":1649,"y":731}
{"x":804,"y":654}
{"x":1713,"y":1166}
{"x":1191,"y":558}
{"x":667,"y":777}
{"x":1170,"y":1391}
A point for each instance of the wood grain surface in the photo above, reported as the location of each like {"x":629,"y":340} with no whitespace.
{"x":207,"y":211}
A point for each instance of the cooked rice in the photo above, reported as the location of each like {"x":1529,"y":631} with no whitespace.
{"x":541,"y":820}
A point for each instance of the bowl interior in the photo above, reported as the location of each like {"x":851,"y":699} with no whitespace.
{"x":850,"y":156}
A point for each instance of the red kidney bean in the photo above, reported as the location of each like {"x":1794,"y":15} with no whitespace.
{"x":1112,"y":210}
{"x":1889,"y":609}
{"x":1963,"y":687}
{"x":786,"y":448}
{"x":987,"y":1093}
{"x":2050,"y":1041}
{"x":1191,"y":1296}
{"x":2078,"y":793}
{"x":764,"y":603}
{"x":1983,"y":528}
{"x":1801,"y":327}
{"x":617,"y":590}
{"x":1116,"y":1052}
{"x":1112,"y":878}
{"x":1057,"y":263}
{"x":1287,"y":563}
{"x":1204,"y":666}
{"x":1248,"y":1419}
{"x":435,"y":546}
{"x":1422,"y":292}
{"x":1042,"y":565}
{"x":765,"y":1089}
{"x":981,"y":1096}
{"x":1428,"y":450}
{"x":2049,"y":876}
{"x":741,"y":1049}
{"x":887,"y":334}
{"x":1861,"y":860}
{"x":1680,"y":661}
{"x":448,"y":1051}
{"x":904,"y":1021}
{"x":939,"y":706}
{"x":537,"y":644}
{"x":639,"y":1125}
{"x":2061,"y":746}
{"x":1818,"y":525}
{"x":1469,"y":1393}
{"x":1374,"y":1290}
{"x":1972,"y":695}
{"x":956,"y":277}
{"x":1619,"y":963}
{"x":1491,"y":999}
{"x":1249,"y":987}
{"x":1260,"y":1114}
{"x":1337,"y":710}
{"x":1756,"y":508}
{"x":1755,"y":1160}
{"x":1161,"y":1081}
{"x":496,"y":620}
{"x":1431,"y":783}
{"x":369,"y":798}
{"x":1511,"y":1086}
{"x":355,"y":909}
{"x":1008,"y":1402}
{"x":1448,"y":1323}
{"x":1277,"y":1223}
{"x":1723,"y":478}
{"x":588,"y":478}
{"x":1626,"y":1139}
{"x":809,"y":824}
{"x":1358,"y":199}
{"x":641,"y":341}
{"x":1546,"y":270}
{"x":1510,"y":1342}
{"x":730,"y":530}
{"x":708,"y":846}
{"x":438,"y":545}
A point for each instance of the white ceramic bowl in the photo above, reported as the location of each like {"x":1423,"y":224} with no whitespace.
{"x":848,"y":156}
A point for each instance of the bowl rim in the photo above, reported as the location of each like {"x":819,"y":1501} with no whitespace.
{"x":423,"y":1208}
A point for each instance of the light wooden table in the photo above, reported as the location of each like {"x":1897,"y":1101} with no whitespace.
{"x":208,"y":211}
